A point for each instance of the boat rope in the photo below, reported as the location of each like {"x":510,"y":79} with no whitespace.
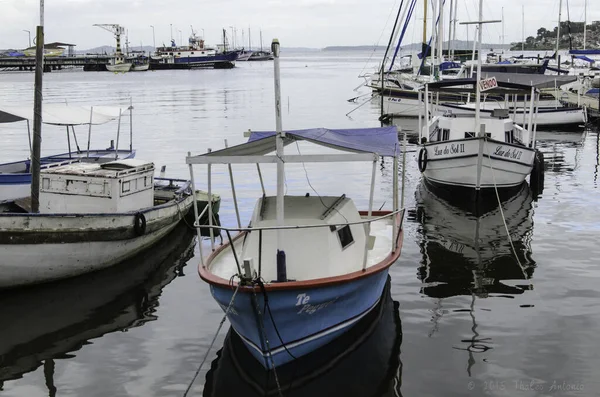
{"x":266,"y":339}
{"x":214,"y":339}
{"x":502,"y":211}
{"x":314,"y":190}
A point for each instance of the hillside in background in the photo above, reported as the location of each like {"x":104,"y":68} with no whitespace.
{"x":456,"y":44}
{"x":571,"y":36}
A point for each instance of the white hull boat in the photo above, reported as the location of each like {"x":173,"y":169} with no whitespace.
{"x":119,"y":67}
{"x":91,"y":217}
{"x":501,"y":154}
{"x":140,"y":67}
{"x":545,"y":116}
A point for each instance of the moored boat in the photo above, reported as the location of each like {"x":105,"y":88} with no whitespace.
{"x":464,"y":150}
{"x":307,"y":268}
{"x":91,"y":216}
{"x":15,"y":176}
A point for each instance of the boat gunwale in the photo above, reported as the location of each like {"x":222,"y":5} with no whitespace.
{"x":389,"y":260}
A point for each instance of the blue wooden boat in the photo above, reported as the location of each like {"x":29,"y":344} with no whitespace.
{"x":306,"y":268}
{"x":15,"y":177}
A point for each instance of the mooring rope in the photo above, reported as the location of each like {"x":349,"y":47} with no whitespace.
{"x":264,"y":332}
{"x":502,"y":212}
{"x":213,"y":341}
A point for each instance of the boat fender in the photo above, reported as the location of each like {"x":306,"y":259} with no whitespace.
{"x":139,"y":224}
{"x":422,"y":162}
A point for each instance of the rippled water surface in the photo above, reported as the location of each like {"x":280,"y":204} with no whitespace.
{"x":466,"y":315}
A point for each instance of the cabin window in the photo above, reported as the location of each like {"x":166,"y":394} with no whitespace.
{"x":125,"y":187}
{"x":469,"y":134}
{"x":345,"y":235}
{"x":179,"y":53}
{"x":192,"y":52}
{"x":445,"y":134}
{"x":170,"y":53}
{"x":509,"y":136}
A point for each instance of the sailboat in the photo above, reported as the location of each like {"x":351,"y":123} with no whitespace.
{"x":477,"y":153}
{"x":306,"y":268}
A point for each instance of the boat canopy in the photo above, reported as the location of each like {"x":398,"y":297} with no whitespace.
{"x":61,"y":114}
{"x":584,"y":52}
{"x":539,"y":81}
{"x":382,"y":141}
{"x":469,"y":85}
{"x":584,"y":58}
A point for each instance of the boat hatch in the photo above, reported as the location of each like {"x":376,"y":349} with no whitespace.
{"x":125,"y":164}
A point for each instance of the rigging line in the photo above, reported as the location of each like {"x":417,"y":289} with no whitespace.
{"x":380,"y":36}
{"x":311,"y":186}
{"x":214,"y":339}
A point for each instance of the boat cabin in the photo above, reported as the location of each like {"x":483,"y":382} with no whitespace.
{"x":113,"y":187}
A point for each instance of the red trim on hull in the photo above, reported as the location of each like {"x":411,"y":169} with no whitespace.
{"x":210,"y":278}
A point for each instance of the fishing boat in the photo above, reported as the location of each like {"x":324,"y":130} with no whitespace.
{"x":337,"y":369}
{"x":37,"y":328}
{"x":195,"y":54}
{"x":15,"y":177}
{"x":306,"y":268}
{"x":464,"y":150}
{"x":119,"y":67}
{"x":91,"y":216}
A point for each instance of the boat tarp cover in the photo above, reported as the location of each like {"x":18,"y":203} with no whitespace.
{"x":584,"y":58}
{"x":60,"y":114}
{"x":539,"y":81}
{"x":584,"y":52}
{"x":383,"y":141}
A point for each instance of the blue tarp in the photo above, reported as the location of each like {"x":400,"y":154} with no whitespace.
{"x":584,"y":58}
{"x":383,"y":141}
{"x":449,"y":65}
{"x":505,"y":62}
{"x":584,"y":52}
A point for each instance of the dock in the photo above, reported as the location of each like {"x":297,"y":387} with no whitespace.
{"x":25,"y":63}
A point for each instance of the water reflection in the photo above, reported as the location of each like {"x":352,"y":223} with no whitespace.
{"x":365,"y":361}
{"x":47,"y":322}
{"x":466,"y":250}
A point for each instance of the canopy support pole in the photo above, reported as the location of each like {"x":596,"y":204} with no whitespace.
{"x":210,"y":213}
{"x":29,"y":135}
{"x":420,"y":115}
{"x":196,"y":216}
{"x":130,"y":125}
{"x":262,"y":184}
{"x":118,"y":135}
{"x":69,"y":141}
{"x":90,"y":131}
{"x":235,"y":203}
{"x":75,"y":138}
{"x":367,"y":226}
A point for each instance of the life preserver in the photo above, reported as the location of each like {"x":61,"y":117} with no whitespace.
{"x":422,"y":160}
{"x":139,"y":224}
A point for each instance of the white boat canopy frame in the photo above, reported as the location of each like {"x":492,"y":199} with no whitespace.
{"x":365,"y":144}
{"x":60,"y":114}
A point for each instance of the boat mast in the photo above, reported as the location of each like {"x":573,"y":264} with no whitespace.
{"x":281,"y":268}
{"x":522,"y":30}
{"x":441,"y":35}
{"x":558,"y":29}
{"x":249,"y":40}
{"x":584,"y":21}
{"x":454,"y":28}
{"x":503,"y":30}
{"x":37,"y":114}
{"x":477,"y":89}
{"x":424,"y":49}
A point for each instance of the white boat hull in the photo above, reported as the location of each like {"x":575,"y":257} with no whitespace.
{"x":140,"y":68}
{"x":457,"y":163}
{"x":119,"y":68}
{"x":544,"y":116}
{"x":39,"y":248}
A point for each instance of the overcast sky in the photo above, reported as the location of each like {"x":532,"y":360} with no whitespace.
{"x":297,"y":23}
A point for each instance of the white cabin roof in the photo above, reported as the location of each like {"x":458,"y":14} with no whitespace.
{"x":100,"y":170}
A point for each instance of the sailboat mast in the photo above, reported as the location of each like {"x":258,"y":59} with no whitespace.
{"x":523,"y":29}
{"x":249,"y":40}
{"x":261,"y":48}
{"x":503,"y":30}
{"x":558,"y":29}
{"x":424,"y":49}
{"x":477,"y":89}
{"x":454,"y":28}
{"x":450,"y":25}
{"x":584,"y":22}
{"x":37,"y":114}
{"x":441,"y":34}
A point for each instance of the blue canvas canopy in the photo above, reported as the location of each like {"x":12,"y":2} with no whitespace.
{"x":382,"y":141}
{"x":584,"y":52}
{"x":584,"y":58}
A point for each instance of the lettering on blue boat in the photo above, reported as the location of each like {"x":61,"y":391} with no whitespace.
{"x":302,"y":300}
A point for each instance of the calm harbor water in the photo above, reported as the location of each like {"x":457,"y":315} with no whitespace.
{"x":463,"y":317}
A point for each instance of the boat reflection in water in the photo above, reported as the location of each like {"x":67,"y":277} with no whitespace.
{"x":44,"y":322}
{"x":365,"y":361}
{"x":465,"y":246}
